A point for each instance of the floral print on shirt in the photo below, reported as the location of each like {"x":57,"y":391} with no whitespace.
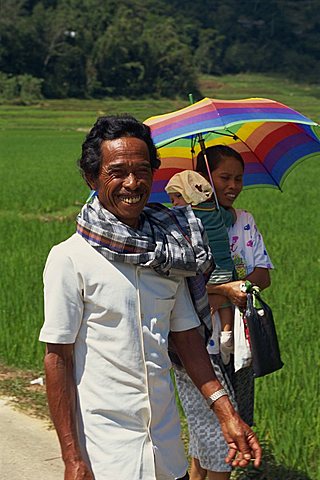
{"x":247,"y":247}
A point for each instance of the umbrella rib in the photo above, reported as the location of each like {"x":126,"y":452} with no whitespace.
{"x":233,"y":135}
{"x":261,"y":163}
{"x":193,"y":136}
{"x":168,"y":143}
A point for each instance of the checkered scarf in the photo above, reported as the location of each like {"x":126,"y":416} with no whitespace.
{"x":172,"y":242}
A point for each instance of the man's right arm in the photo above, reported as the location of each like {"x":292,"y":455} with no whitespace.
{"x":62,"y":404}
{"x":242,"y":442}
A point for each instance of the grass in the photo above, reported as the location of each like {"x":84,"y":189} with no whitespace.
{"x":286,"y":405}
{"x":42,"y":193}
{"x":15,"y":385}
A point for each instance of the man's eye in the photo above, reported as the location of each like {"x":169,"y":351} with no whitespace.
{"x":116,"y":173}
{"x":143,"y":171}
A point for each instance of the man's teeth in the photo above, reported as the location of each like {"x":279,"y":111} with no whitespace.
{"x":131,"y":200}
{"x":230,"y":195}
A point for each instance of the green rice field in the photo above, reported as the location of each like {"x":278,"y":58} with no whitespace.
{"x":42,"y":191}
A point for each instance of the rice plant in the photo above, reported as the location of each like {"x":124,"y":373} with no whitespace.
{"x":42,"y":192}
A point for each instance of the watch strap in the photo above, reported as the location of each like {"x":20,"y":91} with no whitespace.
{"x":215,"y":396}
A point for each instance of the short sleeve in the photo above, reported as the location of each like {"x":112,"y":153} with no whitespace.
{"x":183,"y":315}
{"x":63,"y":305}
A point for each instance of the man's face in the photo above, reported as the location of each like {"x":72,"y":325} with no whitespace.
{"x":125,"y":178}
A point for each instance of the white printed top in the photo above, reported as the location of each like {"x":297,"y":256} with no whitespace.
{"x":248,"y":251}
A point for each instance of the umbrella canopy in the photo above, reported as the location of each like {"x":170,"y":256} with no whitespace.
{"x":271,"y":137}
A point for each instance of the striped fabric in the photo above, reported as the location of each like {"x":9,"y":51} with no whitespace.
{"x":215,"y":223}
{"x":271,"y":137}
{"x":172,"y":242}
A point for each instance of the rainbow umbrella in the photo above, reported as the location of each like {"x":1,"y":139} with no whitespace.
{"x":271,"y":137}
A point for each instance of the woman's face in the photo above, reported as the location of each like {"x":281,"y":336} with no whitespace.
{"x":228,"y":180}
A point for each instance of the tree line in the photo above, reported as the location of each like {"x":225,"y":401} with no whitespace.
{"x":97,"y":48}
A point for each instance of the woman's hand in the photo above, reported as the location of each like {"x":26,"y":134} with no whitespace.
{"x":234,"y":293}
{"x":232,"y":290}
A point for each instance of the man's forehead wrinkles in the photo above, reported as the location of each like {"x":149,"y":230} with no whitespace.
{"x":136,"y":162}
{"x":124,"y":152}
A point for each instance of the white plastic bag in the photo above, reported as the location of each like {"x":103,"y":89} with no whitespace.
{"x":213,"y":344}
{"x":242,"y":351}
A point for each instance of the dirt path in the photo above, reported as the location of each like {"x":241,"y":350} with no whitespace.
{"x":28,"y":450}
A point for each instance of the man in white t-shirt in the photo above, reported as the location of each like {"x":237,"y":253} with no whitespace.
{"x":113,"y":292}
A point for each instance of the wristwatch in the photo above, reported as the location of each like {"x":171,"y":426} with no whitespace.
{"x":215,"y":396}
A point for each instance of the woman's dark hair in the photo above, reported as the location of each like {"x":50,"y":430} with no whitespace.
{"x":109,"y":128}
{"x":215,"y":155}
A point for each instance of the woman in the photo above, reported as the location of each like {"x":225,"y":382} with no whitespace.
{"x":207,"y":446}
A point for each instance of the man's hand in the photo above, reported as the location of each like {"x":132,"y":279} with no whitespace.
{"x":242,"y":442}
{"x":77,"y":471}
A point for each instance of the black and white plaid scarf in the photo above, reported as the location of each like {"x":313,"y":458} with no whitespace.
{"x":169,"y":241}
{"x":172,"y":242}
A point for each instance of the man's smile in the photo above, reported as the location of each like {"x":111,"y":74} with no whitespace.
{"x":130,"y":199}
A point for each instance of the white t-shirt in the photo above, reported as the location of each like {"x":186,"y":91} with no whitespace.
{"x":248,"y":252}
{"x":118,"y":316}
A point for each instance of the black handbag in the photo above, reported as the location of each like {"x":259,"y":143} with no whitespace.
{"x":263,"y":336}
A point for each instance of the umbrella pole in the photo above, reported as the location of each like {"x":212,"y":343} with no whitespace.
{"x":203,"y":150}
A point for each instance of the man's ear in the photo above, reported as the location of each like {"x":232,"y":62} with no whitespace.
{"x":90,"y":181}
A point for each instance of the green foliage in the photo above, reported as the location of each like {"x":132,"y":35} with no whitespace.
{"x":172,"y":69}
{"x":89,"y":48}
{"x":20,"y":89}
{"x":43,"y":192}
{"x":209,"y":52}
{"x":119,"y":56}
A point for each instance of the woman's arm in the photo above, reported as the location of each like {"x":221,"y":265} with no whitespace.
{"x":230,"y":290}
{"x":259,"y":276}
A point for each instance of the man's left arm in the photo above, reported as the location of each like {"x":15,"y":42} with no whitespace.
{"x":242,"y":442}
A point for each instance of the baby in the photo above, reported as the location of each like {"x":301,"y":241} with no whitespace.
{"x":190,"y":188}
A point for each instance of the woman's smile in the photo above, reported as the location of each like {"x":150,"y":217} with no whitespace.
{"x":228,"y":180}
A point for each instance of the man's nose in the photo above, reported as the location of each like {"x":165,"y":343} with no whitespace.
{"x":131,"y":181}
